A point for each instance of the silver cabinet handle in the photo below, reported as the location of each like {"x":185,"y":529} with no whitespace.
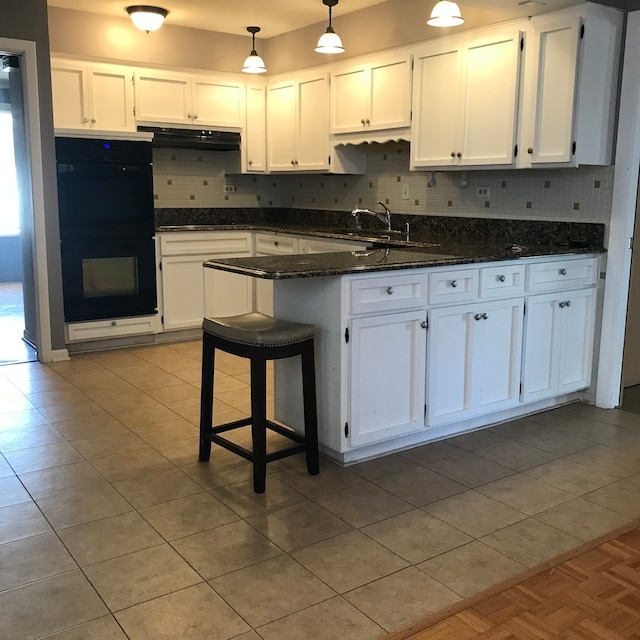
{"x":389,"y":290}
{"x":563,"y":272}
{"x":484,"y":316}
{"x":424,"y":324}
{"x":501,"y":278}
{"x":478,"y":316}
{"x":562,"y":305}
{"x":454,"y":283}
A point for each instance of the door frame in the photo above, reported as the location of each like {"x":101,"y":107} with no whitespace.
{"x":26,"y":49}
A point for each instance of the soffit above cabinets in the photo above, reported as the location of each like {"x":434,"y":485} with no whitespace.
{"x":280,"y":16}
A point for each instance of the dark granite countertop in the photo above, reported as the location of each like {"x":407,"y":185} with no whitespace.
{"x":432,"y":241}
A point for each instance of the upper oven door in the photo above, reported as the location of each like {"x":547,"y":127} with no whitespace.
{"x":105,"y":200}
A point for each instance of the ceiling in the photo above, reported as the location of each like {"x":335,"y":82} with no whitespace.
{"x":279,"y":16}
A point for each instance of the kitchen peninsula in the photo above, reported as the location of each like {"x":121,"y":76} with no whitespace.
{"x":417,"y":341}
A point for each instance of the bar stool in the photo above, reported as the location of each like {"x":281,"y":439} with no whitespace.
{"x":259,"y":338}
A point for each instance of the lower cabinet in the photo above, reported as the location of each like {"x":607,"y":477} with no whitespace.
{"x":386,"y":376}
{"x":473,"y":359}
{"x":558,"y":343}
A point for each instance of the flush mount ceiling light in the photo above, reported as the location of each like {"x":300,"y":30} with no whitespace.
{"x":253,"y":63}
{"x":330,"y":41}
{"x":147,"y":18}
{"x":445,"y":14}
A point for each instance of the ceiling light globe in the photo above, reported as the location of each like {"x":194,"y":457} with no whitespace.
{"x":147,"y":18}
{"x":330,"y":42}
{"x":254,"y":64}
{"x":445,"y":14}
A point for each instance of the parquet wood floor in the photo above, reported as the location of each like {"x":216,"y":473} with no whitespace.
{"x":594,"y":595}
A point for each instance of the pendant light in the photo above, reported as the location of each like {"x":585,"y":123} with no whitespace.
{"x":147,"y":18}
{"x":330,"y":41}
{"x":253,"y":63}
{"x":445,"y":14}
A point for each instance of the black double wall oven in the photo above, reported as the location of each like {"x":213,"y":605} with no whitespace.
{"x":105,"y":201}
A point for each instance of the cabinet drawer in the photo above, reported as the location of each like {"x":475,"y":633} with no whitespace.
{"x":503,"y":281}
{"x":276,"y":245}
{"x":205,"y":243}
{"x":562,"y":274}
{"x":388,"y":293}
{"x":79,"y":331}
{"x":451,"y":287}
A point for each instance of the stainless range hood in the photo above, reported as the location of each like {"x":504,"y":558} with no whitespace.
{"x":172,"y":138}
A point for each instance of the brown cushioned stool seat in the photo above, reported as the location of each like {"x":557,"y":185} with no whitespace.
{"x":260,"y":338}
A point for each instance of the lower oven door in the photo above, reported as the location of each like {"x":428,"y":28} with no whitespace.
{"x":108,"y":279}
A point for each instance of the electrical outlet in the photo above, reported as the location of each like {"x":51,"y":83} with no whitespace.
{"x":228,"y":188}
{"x":483,"y":192}
{"x":405,"y":190}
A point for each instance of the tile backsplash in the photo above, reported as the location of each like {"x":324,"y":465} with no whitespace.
{"x":193,"y":178}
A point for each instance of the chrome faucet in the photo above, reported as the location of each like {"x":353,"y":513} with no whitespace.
{"x":383,"y":217}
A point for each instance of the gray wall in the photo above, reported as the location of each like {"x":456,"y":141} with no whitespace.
{"x":27,"y":20}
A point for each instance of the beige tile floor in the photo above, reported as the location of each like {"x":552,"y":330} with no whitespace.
{"x":110,"y":528}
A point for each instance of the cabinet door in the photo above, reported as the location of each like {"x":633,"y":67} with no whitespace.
{"x":555,"y":70}
{"x":384,"y":405}
{"x":497,"y":355}
{"x":70,"y":96}
{"x":255,"y":139}
{"x":313,"y":124}
{"x":490,"y":89}
{"x":217,"y":102}
{"x":576,"y":340}
{"x":390,"y":94}
{"x":163,"y":97}
{"x":183,"y":291}
{"x":449,"y":364}
{"x":111,"y":91}
{"x":436,"y":106}
{"x":281,"y":129}
{"x":226,"y":294}
{"x":350,"y":100}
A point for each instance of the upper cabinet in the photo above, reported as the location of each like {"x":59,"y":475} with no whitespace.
{"x":254,"y":140}
{"x":372,"y":96}
{"x":571,"y":79}
{"x":181,"y":98}
{"x":465,"y":101}
{"x":298,"y":123}
{"x":92,"y":96}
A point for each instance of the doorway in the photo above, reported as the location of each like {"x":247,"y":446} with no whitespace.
{"x":13,"y":347}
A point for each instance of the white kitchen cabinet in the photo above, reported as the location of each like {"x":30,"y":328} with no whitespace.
{"x":254,"y":140}
{"x":372,"y":95}
{"x":189,"y":290}
{"x":92,"y":96}
{"x":570,"y":87}
{"x":180,"y":98}
{"x":298,"y":123}
{"x":473,"y":361}
{"x":558,"y":343}
{"x":383,"y":405}
{"x":465,"y":100}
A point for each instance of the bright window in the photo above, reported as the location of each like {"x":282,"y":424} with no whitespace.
{"x":9,"y":216}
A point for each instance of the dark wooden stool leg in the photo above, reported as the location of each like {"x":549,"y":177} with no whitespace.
{"x":206,"y":396}
{"x":259,"y":422}
{"x":310,"y":409}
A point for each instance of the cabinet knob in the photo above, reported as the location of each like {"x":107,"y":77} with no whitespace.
{"x":362,"y":121}
{"x":389,"y":290}
{"x":459,"y":154}
{"x":454,"y":283}
{"x":568,"y":303}
{"x":189,"y":116}
{"x":293,"y":162}
{"x":93,"y":120}
{"x":250,"y":162}
{"x":563,"y":272}
{"x":478,"y":316}
{"x":195,"y":116}
{"x":276,"y":243}
{"x":113,"y":323}
{"x":530,"y":151}
{"x":367,"y":121}
{"x":424,"y":324}
{"x":85,"y":120}
{"x":453,"y":154}
{"x":562,"y":305}
{"x":501,"y":278}
{"x":485,"y":316}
